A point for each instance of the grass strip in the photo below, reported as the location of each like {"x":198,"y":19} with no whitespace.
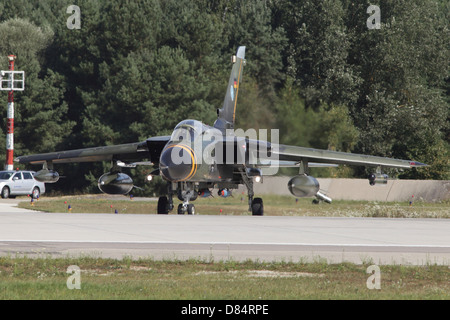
{"x":46,"y":278}
{"x":273,"y":206}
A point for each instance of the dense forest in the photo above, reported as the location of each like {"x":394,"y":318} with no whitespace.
{"x":316,"y":70}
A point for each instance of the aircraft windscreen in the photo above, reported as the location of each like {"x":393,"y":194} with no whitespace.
{"x":187,"y":130}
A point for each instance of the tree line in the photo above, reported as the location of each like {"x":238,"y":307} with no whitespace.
{"x":315,"y":71}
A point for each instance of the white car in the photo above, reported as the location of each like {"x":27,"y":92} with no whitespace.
{"x":15,"y":183}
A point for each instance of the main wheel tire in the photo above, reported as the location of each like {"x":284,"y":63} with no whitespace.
{"x":163,"y":207}
{"x":5,"y":193}
{"x":257,"y":207}
{"x":190,"y":209}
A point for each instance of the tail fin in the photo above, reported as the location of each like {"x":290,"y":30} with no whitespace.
{"x":225,"y":115}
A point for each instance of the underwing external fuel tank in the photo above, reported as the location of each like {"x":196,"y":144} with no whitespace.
{"x":47,"y":176}
{"x":115,"y":183}
{"x":303,"y":186}
{"x":378,"y":179}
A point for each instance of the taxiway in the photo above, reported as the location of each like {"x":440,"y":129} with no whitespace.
{"x":266,"y":238}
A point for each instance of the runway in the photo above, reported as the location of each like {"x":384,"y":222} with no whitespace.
{"x":268,"y":238}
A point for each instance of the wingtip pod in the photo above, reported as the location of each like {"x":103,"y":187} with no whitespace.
{"x":414,"y":164}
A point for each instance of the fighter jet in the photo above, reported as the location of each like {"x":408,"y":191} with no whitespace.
{"x":198,"y":158}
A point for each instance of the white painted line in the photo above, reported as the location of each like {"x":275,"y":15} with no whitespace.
{"x":236,"y":243}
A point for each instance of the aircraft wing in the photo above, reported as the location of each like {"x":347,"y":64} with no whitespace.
{"x":131,"y":152}
{"x":298,"y":154}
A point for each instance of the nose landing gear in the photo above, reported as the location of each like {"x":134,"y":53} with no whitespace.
{"x":185,"y":191}
{"x":186,"y":207}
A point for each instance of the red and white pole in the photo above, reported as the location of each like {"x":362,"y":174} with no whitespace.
{"x":10,"y":121}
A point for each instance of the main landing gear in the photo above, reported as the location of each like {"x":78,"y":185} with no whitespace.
{"x":186,"y":192}
{"x":163,"y":205}
{"x":255,"y":205}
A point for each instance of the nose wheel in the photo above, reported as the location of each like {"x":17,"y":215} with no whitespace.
{"x":183,"y":208}
{"x":186,"y":192}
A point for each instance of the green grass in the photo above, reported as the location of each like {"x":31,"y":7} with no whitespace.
{"x":45,"y":278}
{"x":273,"y":205}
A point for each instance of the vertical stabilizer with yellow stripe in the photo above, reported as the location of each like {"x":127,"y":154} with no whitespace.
{"x":226,"y":114}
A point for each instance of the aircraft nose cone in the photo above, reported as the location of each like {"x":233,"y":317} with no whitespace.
{"x":177,"y":163}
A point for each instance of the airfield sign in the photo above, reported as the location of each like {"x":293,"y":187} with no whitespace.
{"x":12,"y":80}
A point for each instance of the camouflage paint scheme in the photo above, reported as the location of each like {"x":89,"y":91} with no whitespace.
{"x":203,"y":169}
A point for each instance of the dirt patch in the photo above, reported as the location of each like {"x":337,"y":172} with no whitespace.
{"x":264,"y":274}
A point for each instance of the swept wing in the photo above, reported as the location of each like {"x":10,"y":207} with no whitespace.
{"x":298,"y":154}
{"x":131,"y":152}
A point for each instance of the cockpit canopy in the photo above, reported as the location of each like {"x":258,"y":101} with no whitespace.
{"x":188,"y":131}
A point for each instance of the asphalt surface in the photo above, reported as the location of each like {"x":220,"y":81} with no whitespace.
{"x":268,"y":238}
